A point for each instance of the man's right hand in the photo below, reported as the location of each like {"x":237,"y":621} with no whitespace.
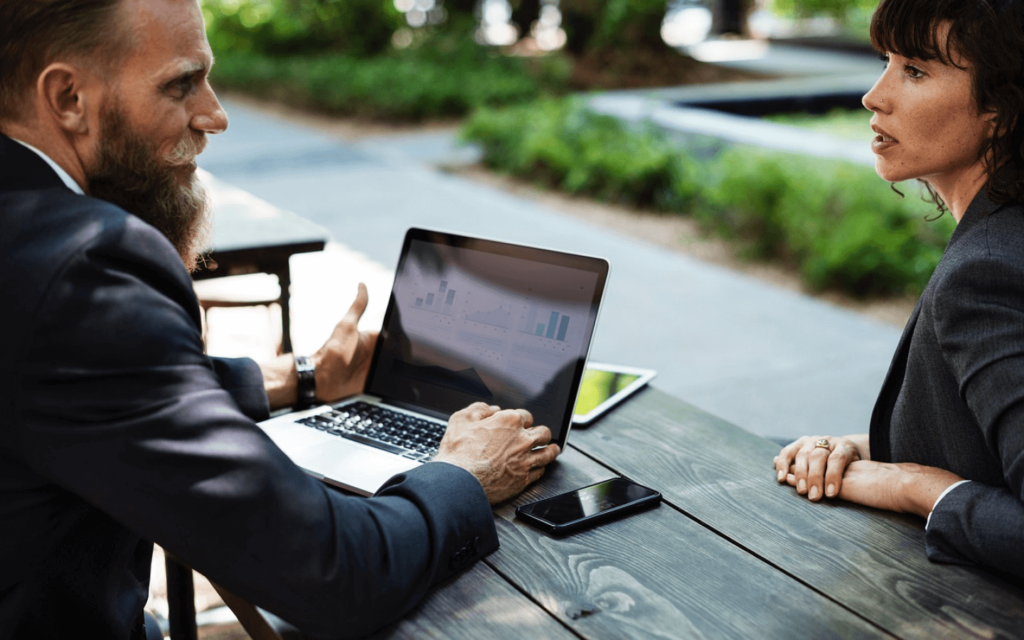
{"x":497,"y":446}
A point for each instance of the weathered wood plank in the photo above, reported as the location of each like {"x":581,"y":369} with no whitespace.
{"x":477,"y":604}
{"x":656,"y":574}
{"x":870,"y":561}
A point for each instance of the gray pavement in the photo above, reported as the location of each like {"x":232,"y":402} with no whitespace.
{"x":772,"y":361}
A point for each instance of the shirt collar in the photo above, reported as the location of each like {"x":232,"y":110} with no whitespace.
{"x":61,"y":173}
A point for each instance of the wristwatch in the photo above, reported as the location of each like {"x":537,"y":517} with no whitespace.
{"x":307,"y":382}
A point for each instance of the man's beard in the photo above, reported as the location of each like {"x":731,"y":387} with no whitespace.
{"x":130,"y":173}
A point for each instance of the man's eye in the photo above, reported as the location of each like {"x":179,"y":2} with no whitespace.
{"x":183,"y":86}
{"x":884,"y":57}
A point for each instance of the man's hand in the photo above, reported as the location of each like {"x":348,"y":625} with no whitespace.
{"x":344,"y":360}
{"x":497,"y":446}
{"x":341,"y":364}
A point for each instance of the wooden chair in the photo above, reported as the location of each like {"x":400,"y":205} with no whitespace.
{"x":181,"y":606}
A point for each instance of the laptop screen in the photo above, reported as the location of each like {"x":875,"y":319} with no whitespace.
{"x":474,"y":320}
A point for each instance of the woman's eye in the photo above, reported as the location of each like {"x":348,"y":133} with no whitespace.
{"x":885,"y":60}
{"x":912,"y":71}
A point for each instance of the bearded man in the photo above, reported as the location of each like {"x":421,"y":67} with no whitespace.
{"x":115,"y":429}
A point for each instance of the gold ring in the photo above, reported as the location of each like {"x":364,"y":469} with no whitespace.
{"x":822,"y":442}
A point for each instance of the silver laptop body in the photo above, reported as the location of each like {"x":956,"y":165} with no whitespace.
{"x":469,"y":320}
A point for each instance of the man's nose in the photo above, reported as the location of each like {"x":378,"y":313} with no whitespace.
{"x":211,"y":117}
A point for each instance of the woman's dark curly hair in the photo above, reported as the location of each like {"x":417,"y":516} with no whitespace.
{"x":989,"y":34}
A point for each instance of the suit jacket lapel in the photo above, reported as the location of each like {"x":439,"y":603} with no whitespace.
{"x":881,"y":417}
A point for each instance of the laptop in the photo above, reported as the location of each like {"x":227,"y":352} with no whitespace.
{"x":469,"y":320}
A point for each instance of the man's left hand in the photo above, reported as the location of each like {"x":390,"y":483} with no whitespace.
{"x":344,"y":360}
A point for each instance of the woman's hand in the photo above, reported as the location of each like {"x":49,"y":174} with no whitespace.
{"x":903,"y":487}
{"x":815,"y":464}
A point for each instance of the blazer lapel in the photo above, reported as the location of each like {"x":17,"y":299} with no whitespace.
{"x":881,"y":416}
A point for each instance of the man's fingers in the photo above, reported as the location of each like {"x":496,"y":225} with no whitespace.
{"x":476,"y":411}
{"x":541,"y":435}
{"x":358,"y":306}
{"x":534,"y":475}
{"x":543,"y":457}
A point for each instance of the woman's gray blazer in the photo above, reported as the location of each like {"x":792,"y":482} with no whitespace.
{"x":954,"y":394}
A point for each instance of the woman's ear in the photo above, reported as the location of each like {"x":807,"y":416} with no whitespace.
{"x":61,"y":92}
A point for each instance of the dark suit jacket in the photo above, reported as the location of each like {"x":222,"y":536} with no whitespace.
{"x":954,"y":394}
{"x":116,"y":430}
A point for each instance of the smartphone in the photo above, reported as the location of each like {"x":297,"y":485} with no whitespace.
{"x":605,"y":385}
{"x":588,"y":506}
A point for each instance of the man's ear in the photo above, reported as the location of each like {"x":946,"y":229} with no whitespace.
{"x":60,"y":88}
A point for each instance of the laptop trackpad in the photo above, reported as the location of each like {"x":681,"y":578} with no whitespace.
{"x":359,"y":468}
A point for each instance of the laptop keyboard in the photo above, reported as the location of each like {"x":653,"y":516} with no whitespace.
{"x":379,"y":427}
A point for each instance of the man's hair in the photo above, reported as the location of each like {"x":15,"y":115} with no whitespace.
{"x":989,"y":34}
{"x":36,"y":33}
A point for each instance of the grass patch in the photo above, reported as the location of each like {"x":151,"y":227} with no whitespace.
{"x":837,"y":222}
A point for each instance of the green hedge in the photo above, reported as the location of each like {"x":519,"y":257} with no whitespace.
{"x":837,"y":222}
{"x":426,"y":83}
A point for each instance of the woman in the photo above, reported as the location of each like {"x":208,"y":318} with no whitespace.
{"x":947,"y":432}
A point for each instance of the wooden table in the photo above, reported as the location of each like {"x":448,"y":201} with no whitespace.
{"x":729,"y":554}
{"x":253,"y":236}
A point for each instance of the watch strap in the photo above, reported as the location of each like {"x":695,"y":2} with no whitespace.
{"x":307,"y":382}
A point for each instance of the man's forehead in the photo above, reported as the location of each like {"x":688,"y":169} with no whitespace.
{"x":169,"y":34}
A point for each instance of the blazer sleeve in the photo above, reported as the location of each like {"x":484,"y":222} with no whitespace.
{"x":979,"y":311}
{"x":243,"y":379}
{"x":118,"y":404}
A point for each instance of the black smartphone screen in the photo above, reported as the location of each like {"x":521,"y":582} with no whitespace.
{"x":588,"y":501}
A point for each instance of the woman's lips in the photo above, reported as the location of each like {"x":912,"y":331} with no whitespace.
{"x":882,"y":141}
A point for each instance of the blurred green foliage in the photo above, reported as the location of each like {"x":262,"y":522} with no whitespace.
{"x":287,"y":27}
{"x":447,"y":76}
{"x":565,"y":145}
{"x":336,"y":56}
{"x":843,"y":123}
{"x":837,"y":222}
{"x":836,"y":8}
{"x":596,"y":25}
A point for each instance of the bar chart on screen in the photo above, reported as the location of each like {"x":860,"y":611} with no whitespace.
{"x":553,"y":325}
{"x":440,"y":299}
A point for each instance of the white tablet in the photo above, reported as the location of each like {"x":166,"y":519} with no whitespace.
{"x":604,"y":386}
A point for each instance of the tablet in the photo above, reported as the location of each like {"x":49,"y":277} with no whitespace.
{"x":604,"y":386}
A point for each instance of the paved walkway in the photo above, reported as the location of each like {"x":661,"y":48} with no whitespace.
{"x":775,"y":362}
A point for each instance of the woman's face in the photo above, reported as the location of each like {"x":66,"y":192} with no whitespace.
{"x":926,"y":122}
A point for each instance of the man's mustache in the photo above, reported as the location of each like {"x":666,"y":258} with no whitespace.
{"x":185,"y":152}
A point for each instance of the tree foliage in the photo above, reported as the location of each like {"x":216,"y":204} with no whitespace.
{"x":596,"y":25}
{"x":285,"y":27}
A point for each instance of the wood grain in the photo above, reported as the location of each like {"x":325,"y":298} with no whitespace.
{"x":870,"y":561}
{"x":656,"y":574}
{"x":477,"y":604}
